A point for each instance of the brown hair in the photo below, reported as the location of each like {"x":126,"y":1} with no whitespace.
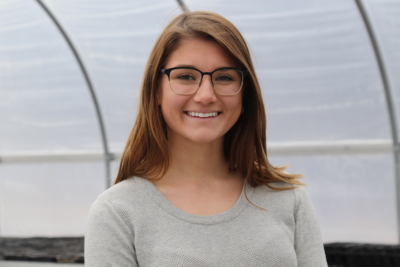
{"x":146,"y":152}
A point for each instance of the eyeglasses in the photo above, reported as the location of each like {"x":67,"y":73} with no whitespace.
{"x":187,"y":80}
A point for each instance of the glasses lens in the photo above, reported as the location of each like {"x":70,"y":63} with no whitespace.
{"x":184,"y":81}
{"x":227,"y":81}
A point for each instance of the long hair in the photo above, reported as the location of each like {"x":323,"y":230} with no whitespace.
{"x":146,"y":152}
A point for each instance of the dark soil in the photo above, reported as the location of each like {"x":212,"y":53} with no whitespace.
{"x":63,"y":249}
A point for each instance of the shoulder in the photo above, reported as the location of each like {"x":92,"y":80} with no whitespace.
{"x":126,"y":189}
{"x":286,"y":198}
{"x":120,"y":198}
{"x":122,"y":188}
{"x":301,"y":195}
{"x":291,"y":202}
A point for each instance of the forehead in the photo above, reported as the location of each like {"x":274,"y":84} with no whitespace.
{"x":206,"y":55}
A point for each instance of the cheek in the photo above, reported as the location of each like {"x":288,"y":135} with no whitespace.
{"x":166,"y":114}
{"x":171,"y":107}
{"x":236,"y":105}
{"x":237,"y":109}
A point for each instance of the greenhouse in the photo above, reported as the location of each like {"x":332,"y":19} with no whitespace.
{"x":70,"y":77}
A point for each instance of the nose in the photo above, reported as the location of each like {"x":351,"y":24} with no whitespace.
{"x":205,"y":94}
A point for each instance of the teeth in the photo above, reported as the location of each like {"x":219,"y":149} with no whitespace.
{"x":202,"y":115}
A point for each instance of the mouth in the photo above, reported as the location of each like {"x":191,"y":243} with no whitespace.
{"x":202,"y":115}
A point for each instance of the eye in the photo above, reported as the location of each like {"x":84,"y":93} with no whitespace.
{"x":224,"y":78}
{"x":185,"y":77}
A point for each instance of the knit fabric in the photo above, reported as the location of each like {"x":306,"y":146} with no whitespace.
{"x":133,"y":224}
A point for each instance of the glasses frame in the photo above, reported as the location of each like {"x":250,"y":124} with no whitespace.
{"x":168,"y":71}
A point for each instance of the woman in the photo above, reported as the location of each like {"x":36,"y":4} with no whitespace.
{"x":194,"y":186}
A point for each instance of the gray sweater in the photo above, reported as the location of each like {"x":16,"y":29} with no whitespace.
{"x":133,"y":224}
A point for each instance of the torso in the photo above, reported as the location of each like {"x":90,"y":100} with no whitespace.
{"x":134,"y":224}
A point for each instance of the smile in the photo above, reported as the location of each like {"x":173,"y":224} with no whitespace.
{"x":202,"y":115}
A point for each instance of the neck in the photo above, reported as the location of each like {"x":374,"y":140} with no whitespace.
{"x":194,"y":162}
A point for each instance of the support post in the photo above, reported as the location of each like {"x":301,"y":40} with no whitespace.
{"x":183,"y":6}
{"x":390,"y":104}
{"x":107,"y":155}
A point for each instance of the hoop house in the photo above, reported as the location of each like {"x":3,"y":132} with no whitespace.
{"x":70,"y":75}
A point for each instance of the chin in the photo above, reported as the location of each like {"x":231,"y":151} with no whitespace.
{"x":205,"y":139}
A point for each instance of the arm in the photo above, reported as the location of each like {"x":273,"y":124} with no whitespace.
{"x":308,"y":241}
{"x":108,"y":239}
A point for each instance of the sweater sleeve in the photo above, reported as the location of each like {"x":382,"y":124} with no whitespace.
{"x":308,"y":241}
{"x":108,"y":239}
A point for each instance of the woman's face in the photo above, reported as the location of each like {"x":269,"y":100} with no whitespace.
{"x":205,"y":116}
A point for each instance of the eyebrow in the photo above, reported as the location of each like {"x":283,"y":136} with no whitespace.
{"x":191,"y":66}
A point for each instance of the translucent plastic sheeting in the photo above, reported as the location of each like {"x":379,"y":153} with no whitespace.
{"x":114,"y":170}
{"x":114,"y":40}
{"x":353,"y":195}
{"x":316,"y":67}
{"x":48,"y":199}
{"x":317,"y":71}
{"x":385,"y":16}
{"x":44,"y":102}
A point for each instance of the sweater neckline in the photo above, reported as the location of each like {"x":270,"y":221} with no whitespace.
{"x":166,"y":205}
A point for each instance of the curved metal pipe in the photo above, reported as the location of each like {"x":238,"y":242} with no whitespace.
{"x":107,"y":155}
{"x":389,"y":101}
{"x":183,"y":6}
